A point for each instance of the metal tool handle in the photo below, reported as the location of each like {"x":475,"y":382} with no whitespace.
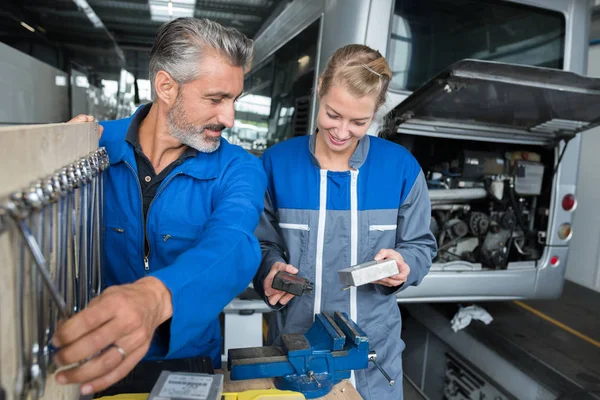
{"x":311,"y":375}
{"x":373,"y":358}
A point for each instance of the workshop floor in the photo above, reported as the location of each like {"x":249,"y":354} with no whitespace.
{"x":555,"y":341}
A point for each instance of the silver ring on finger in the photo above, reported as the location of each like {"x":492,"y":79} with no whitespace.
{"x":120,"y":350}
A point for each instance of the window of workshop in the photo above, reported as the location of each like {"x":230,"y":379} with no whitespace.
{"x":144,"y":92}
{"x":277,"y":95}
{"x":428,"y":35}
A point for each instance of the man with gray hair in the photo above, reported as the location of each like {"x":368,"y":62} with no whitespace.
{"x":181,"y":207}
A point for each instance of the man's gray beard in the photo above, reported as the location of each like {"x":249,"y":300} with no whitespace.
{"x":187,"y":133}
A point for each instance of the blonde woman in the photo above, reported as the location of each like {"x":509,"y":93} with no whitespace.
{"x":339,"y":198}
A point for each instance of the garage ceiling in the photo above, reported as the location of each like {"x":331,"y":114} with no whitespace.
{"x":101,"y":36}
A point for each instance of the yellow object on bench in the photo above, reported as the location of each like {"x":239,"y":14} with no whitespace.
{"x":264,"y":394}
{"x":260,"y":394}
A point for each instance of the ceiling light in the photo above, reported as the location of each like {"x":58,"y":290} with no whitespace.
{"x":164,"y":10}
{"x":28,"y":27}
{"x":85,"y":7}
{"x":303,"y":60}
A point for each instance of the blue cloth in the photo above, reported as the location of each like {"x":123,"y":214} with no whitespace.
{"x":200,"y":229}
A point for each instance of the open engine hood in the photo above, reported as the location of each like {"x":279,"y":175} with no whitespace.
{"x":500,"y":102}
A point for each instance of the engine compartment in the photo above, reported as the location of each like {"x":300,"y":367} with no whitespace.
{"x":490,"y":201}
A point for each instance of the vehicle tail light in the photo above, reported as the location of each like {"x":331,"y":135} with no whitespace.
{"x":564,"y":231}
{"x":554,"y":261}
{"x":568,"y":202}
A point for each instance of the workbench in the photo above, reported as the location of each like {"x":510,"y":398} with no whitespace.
{"x":342,"y":391}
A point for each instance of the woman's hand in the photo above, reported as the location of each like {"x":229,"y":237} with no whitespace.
{"x":274,"y":295}
{"x":403,"y":268}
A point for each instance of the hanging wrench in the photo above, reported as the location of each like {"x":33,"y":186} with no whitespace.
{"x":104,"y":164}
{"x":70,"y":256}
{"x":83,"y":275}
{"x":89,"y":225}
{"x":101,"y":162}
{"x":57,"y":260}
{"x":22,"y":379}
{"x":95,"y":232}
{"x":45,"y":191}
{"x":76,"y":179}
{"x":35,"y":203}
{"x":51,"y":194}
{"x":29,"y":202}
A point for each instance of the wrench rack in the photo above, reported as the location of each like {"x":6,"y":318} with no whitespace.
{"x":58,"y":220}
{"x":55,"y":229}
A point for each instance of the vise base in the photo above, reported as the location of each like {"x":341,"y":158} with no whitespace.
{"x":310,"y":363}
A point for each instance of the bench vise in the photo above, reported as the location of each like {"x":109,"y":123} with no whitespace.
{"x":310,"y":363}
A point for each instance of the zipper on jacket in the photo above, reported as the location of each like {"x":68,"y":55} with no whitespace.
{"x":147,"y":255}
{"x":158,"y":192}
{"x":137,"y":180}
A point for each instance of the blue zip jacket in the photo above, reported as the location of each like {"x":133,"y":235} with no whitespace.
{"x":200,"y":227}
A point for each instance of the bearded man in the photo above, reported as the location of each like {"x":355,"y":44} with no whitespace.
{"x":181,"y":206}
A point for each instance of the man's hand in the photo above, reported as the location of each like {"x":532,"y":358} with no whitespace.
{"x":86,"y":118}
{"x":403,"y":268}
{"x":273,"y":295}
{"x":120,"y":323}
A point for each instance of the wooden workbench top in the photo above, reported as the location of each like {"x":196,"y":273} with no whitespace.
{"x":342,"y":391}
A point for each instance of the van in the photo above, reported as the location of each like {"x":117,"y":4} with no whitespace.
{"x":490,"y":98}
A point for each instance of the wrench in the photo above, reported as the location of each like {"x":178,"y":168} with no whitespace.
{"x":51,"y":193}
{"x":83,"y":275}
{"x":28,"y":381}
{"x":96,"y":232}
{"x":57,"y":260}
{"x":76,"y":179}
{"x":89,"y":226}
{"x":22,"y":380}
{"x":104,"y":164}
{"x":70,"y":256}
{"x":43,"y":310}
{"x":37,"y":318}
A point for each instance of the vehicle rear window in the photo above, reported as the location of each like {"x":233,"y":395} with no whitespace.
{"x":428,"y":35}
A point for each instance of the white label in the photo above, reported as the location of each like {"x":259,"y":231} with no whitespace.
{"x":186,"y":387}
{"x":302,"y":227}
{"x":382,"y":227}
{"x":60,"y":80}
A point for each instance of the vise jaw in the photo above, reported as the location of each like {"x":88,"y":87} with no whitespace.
{"x":310,"y":363}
